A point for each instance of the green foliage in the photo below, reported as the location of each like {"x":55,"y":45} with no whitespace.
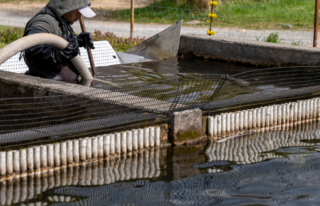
{"x":8,"y":35}
{"x":118,"y":43}
{"x":296,"y":43}
{"x":272,"y":38}
{"x":250,"y":14}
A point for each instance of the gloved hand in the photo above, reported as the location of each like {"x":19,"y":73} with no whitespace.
{"x":50,"y":53}
{"x":83,"y":37}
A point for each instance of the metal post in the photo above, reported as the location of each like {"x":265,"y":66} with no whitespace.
{"x":316,"y":15}
{"x":132,"y":18}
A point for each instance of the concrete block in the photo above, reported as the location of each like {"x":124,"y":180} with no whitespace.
{"x":248,"y":52}
{"x":185,"y":125}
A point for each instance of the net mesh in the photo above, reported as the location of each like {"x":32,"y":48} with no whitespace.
{"x":48,"y":119}
{"x":54,"y":118}
{"x":264,"y":86}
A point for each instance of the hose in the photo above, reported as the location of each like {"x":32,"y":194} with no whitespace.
{"x":50,"y":39}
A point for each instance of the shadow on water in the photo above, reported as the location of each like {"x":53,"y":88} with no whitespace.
{"x":277,"y":167}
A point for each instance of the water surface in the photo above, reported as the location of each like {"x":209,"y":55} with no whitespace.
{"x":276,"y":167}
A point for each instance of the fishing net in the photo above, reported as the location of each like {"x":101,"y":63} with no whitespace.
{"x":265,"y":86}
{"x":47,"y":119}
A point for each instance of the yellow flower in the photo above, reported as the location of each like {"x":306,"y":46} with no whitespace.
{"x":208,"y":21}
{"x":212,"y":15}
{"x":211,"y":32}
{"x":214,"y":3}
{"x":192,"y":14}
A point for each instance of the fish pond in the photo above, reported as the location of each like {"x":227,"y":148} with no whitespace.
{"x":279,"y":166}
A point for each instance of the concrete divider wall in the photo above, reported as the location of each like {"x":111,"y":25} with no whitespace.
{"x":142,"y":165}
{"x":249,"y":52}
{"x":279,"y":116}
{"x":42,"y":158}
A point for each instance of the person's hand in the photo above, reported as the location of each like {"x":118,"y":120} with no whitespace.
{"x":83,"y":37}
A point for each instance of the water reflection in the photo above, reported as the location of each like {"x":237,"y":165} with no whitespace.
{"x":279,"y":167}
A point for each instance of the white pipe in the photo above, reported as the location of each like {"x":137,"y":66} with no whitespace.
{"x":70,"y":152}
{"x":30,"y":159}
{"x":314,"y":112}
{"x":118,"y":143}
{"x":271,"y":116}
{"x":16,"y":162}
{"x":228,"y":124}
{"x":39,"y":39}
{"x":83,"y":150}
{"x":44,"y":157}
{"x":210,"y":126}
{"x":275,"y":115}
{"x":241,"y":121}
{"x":129,"y":142}
{"x":223,"y":124}
{"x":135,"y":140}
{"x":279,"y":115}
{"x":151,"y":137}
{"x":3,"y":164}
{"x":89,"y":148}
{"x":245,"y":120}
{"x":76,"y":149}
{"x":146,"y":137}
{"x":284,"y":113}
{"x":232,"y":126}
{"x":63,"y":153}
{"x":37,"y":160}
{"x":237,"y":123}
{"x":250,"y":123}
{"x":303,"y":111}
{"x":112,"y":145}
{"x":318,"y":109}
{"x":254,"y":119}
{"x":23,"y":162}
{"x":50,"y":153}
{"x":219,"y":122}
{"x":140,"y":139}
{"x":94,"y":148}
{"x":57,"y":157}
{"x":263,"y":117}
{"x":100,"y":147}
{"x":258,"y":118}
{"x":124,"y":143}
{"x":158,"y":140}
{"x":299,"y":116}
{"x":106,"y":145}
{"x":295,"y":112}
{"x":307,"y":114}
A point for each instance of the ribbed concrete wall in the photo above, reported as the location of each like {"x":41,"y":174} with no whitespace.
{"x":42,"y":158}
{"x":141,"y":165}
{"x":264,"y":118}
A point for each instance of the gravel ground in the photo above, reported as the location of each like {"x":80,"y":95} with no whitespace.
{"x":148,"y":30}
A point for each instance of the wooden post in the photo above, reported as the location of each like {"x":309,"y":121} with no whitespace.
{"x":93,"y":67}
{"x":132,"y":18}
{"x":316,"y":15}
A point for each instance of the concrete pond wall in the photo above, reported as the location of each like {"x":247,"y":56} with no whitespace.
{"x":184,"y":127}
{"x":249,"y":52}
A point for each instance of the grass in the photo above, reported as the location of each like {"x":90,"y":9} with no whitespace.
{"x":250,"y":14}
{"x":272,"y":38}
{"x":9,"y":34}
